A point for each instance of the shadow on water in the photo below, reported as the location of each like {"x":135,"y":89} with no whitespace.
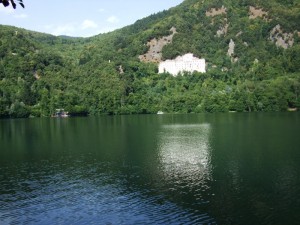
{"x":154,"y":169}
{"x":256,"y":168}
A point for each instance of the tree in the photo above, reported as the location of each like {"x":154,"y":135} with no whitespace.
{"x":14,"y":5}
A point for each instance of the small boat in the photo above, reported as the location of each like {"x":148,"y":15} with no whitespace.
{"x":160,"y":112}
{"x":60,"y":113}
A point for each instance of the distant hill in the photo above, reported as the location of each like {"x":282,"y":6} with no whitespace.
{"x":252,"y":50}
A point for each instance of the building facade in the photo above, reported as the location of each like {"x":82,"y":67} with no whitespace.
{"x":185,"y":63}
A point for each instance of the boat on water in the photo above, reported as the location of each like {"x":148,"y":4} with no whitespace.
{"x":60,"y":113}
{"x":292,"y":109}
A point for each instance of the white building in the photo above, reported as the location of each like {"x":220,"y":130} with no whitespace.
{"x":187,"y":63}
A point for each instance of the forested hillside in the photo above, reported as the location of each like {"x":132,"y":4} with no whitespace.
{"x":252,"y":50}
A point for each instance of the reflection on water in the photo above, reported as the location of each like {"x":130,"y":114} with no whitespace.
{"x":185,"y":166}
{"x":184,"y":151}
{"x":168,"y":169}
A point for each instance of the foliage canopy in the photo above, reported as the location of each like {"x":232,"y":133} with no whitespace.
{"x":12,"y":2}
{"x":103,"y":74}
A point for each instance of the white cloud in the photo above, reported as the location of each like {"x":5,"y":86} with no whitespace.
{"x":76,"y":31}
{"x":87,"y":24}
{"x":21,"y":16}
{"x":101,"y":10}
{"x":102,"y":30}
{"x":84,"y":29}
{"x":106,"y":30}
{"x":112,"y":19}
{"x":65,"y":29}
{"x":6,"y":10}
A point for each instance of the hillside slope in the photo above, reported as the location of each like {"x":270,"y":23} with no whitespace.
{"x":252,"y":50}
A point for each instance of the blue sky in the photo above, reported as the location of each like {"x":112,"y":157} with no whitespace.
{"x":80,"y":18}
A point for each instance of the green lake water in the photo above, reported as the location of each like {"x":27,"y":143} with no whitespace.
{"x":239,"y":168}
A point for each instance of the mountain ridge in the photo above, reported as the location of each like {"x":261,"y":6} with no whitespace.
{"x":252,"y":49}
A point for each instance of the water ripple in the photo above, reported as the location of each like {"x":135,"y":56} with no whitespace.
{"x":85,"y":194}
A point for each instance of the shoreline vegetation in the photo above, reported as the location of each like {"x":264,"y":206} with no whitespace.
{"x":68,"y":115}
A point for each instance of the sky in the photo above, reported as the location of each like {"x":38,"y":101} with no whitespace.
{"x":80,"y":18}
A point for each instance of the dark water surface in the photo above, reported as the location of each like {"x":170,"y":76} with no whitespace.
{"x":157,"y":169}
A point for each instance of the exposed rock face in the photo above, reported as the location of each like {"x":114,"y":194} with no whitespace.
{"x":223,"y":30}
{"x":121,"y":70}
{"x":281,"y":39}
{"x":156,"y":45}
{"x":215,"y":12}
{"x":187,"y":63}
{"x":230,"y":52}
{"x":36,"y":75}
{"x":254,"y":13}
{"x":231,"y":48}
{"x":239,"y":34}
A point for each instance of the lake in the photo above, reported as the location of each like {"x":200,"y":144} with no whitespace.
{"x":238,"y":168}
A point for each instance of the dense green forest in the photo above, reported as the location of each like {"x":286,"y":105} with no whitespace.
{"x":104,"y":75}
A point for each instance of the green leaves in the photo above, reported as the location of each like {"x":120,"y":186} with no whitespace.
{"x":12,"y":2}
{"x":103,"y":74}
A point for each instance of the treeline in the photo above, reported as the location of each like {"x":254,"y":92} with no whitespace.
{"x":141,"y":90}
